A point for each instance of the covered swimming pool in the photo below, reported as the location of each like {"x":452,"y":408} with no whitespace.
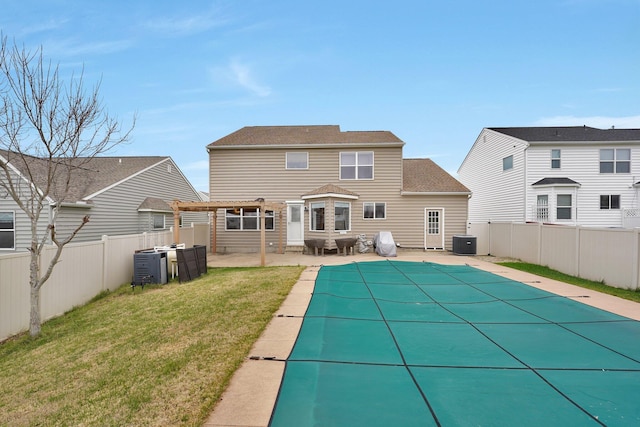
{"x":396,"y":343}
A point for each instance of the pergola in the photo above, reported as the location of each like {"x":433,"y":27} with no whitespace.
{"x":178,"y":206}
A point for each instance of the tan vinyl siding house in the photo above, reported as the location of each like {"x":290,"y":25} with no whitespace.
{"x":338,"y":184}
{"x":122,"y":195}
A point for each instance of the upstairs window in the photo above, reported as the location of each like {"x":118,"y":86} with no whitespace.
{"x":297,"y":160}
{"x":7,"y":230}
{"x":356,"y":165}
{"x":610,"y":201}
{"x":247,"y":219}
{"x":374,"y":210}
{"x":616,"y":160}
{"x":555,"y":159}
{"x":507,"y":163}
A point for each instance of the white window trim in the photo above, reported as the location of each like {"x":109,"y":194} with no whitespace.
{"x":268,"y":214}
{"x":437,"y":222}
{"x":505,"y":169}
{"x":559,"y":158}
{"x":609,"y":208}
{"x":153,"y":222}
{"x":12,"y":230}
{"x":286,"y":161}
{"x":614,"y":161}
{"x":311,"y":207}
{"x":335,"y":205}
{"x":541,"y":210}
{"x":357,"y":153}
{"x":374,"y":211}
{"x":558,"y":206}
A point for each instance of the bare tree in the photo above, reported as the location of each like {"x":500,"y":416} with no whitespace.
{"x":49,"y":130}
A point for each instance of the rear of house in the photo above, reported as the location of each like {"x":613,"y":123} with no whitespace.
{"x":335,"y":184}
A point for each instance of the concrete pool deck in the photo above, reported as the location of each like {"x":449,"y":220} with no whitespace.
{"x":252,"y":392}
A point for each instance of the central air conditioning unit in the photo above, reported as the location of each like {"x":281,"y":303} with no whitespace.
{"x":464,"y":245}
{"x":149,"y":267}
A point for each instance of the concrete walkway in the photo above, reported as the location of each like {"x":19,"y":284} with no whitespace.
{"x":251,"y":395}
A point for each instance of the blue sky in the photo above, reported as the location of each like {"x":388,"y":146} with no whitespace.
{"x":432,"y":72}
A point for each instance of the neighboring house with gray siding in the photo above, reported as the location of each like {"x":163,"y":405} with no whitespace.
{"x":335,"y":184}
{"x":576,"y":175}
{"x":121,"y":195}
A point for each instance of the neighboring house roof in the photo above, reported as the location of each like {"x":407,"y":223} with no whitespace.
{"x":330,"y":190}
{"x":424,"y":176}
{"x":154,"y":204}
{"x":570,"y":134}
{"x":302,"y":135}
{"x":90,"y":175}
{"x":557,"y":181}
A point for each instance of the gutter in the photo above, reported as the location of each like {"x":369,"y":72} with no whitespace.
{"x":79,"y":204}
{"x":303,"y":146}
{"x":435,"y":193}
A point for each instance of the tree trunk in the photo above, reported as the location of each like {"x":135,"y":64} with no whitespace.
{"x":34,"y":285}
{"x":34,"y":321}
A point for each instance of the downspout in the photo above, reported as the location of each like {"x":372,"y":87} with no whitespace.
{"x":525,"y":193}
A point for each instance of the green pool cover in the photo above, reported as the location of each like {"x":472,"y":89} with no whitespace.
{"x":392,"y":343}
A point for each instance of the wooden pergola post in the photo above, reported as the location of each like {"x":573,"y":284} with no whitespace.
{"x":176,"y":226}
{"x":280,"y":250}
{"x":263,"y":237}
{"x":214,"y":231}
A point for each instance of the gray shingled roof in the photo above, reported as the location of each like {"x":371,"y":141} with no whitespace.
{"x":302,"y":135}
{"x":556,"y":181}
{"x":154,"y":204}
{"x":89,"y":175}
{"x":570,"y":134}
{"x":424,"y":176}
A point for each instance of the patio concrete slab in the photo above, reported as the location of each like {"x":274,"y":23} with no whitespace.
{"x":250,"y":397}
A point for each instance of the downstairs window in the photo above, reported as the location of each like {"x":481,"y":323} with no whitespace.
{"x":7,"y":230}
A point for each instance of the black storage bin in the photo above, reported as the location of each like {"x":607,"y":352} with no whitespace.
{"x":464,"y":245}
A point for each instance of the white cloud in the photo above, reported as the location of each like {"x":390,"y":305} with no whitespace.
{"x":244,"y":77}
{"x":42,"y":27}
{"x":602,"y":122}
{"x":240,"y":74}
{"x":184,"y":26}
{"x":190,"y":24}
{"x":68,"y":48}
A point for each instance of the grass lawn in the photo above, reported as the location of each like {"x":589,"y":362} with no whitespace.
{"x":561,"y":277}
{"x":156,"y":357}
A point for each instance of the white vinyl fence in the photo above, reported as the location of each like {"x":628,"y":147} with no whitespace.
{"x":600,"y":254}
{"x":83,"y":271}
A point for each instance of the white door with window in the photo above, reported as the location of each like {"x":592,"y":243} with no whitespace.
{"x":434,"y":228}
{"x":295,"y":223}
{"x":542,"y":208}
